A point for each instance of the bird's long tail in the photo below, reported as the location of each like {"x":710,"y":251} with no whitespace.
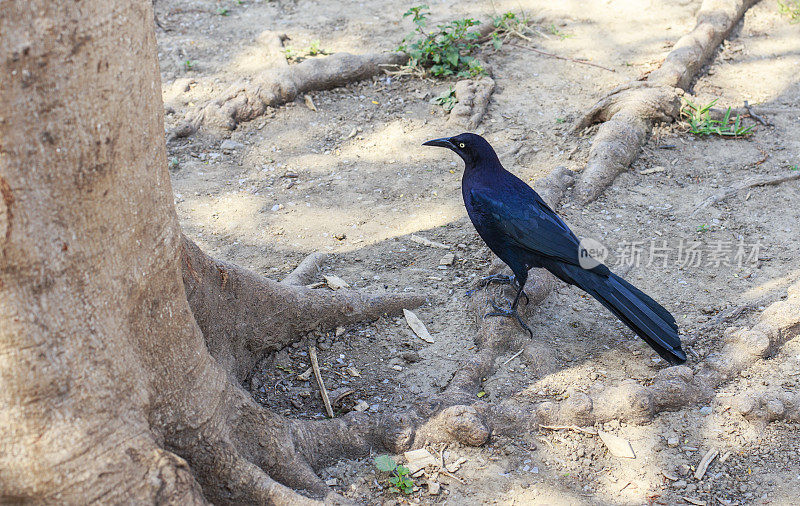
{"x":641,"y":313}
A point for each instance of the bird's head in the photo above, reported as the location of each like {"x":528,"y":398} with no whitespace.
{"x":472,"y":148}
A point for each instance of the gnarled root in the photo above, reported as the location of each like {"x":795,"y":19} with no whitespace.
{"x":676,"y":387}
{"x":473,"y":100}
{"x":628,"y":112}
{"x":246,"y":100}
{"x":628,"y":115}
{"x":244,"y":315}
{"x":305,"y":272}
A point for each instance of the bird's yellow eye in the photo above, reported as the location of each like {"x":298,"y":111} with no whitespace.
{"x":461,"y":145}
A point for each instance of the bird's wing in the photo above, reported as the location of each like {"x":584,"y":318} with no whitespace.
{"x":529,"y":224}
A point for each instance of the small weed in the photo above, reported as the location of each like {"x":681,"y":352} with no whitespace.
{"x":560,"y":120}
{"x":314,"y":49}
{"x":290,"y":53}
{"x":794,"y":167}
{"x":223,"y":11}
{"x":510,"y":24}
{"x":791,"y":9}
{"x":447,"y":99}
{"x":701,"y":123}
{"x":174,"y":164}
{"x":399,"y":480}
{"x":558,"y":33}
{"x":189,"y":64}
{"x":296,"y":56}
{"x":703,"y":228}
{"x":444,"y":51}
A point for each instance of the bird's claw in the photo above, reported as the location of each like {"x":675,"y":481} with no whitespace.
{"x":498,"y":311}
{"x":502,"y":279}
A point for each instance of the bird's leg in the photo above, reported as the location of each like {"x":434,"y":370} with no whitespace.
{"x":501,"y":279}
{"x":512,"y":311}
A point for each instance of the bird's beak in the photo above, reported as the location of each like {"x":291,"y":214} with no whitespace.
{"x":444,"y":142}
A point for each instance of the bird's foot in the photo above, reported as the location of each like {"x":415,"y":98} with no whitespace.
{"x":501,"y":279}
{"x":508,"y":312}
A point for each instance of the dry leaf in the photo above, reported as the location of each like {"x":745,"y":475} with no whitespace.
{"x":310,"y":103}
{"x":618,"y":446}
{"x":418,"y":459}
{"x":306,"y":375}
{"x":651,"y":171}
{"x":335,"y":282}
{"x":417,"y":326}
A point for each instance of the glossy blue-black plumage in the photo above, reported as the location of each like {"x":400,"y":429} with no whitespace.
{"x":522,"y":230}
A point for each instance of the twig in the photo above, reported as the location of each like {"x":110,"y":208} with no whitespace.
{"x":733,"y":313}
{"x":750,"y":183}
{"x":569,"y":427}
{"x":545,"y":53}
{"x":515,"y":355}
{"x":451,"y":475}
{"x":312,"y":354}
{"x":754,"y":115}
{"x":704,"y":463}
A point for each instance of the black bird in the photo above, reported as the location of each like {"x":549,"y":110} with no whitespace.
{"x":521,"y":229}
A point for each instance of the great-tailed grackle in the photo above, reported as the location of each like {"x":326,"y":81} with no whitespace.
{"x":520,"y":228}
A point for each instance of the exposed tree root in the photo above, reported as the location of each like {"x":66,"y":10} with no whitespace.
{"x":473,"y":99}
{"x":246,"y":100}
{"x":744,"y":185}
{"x":629,"y":112}
{"x":305,"y":272}
{"x":243,"y":453}
{"x":229,"y":304}
{"x":290,"y":451}
{"x":677,"y":387}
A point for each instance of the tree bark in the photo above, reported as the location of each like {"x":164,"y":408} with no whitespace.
{"x":110,"y":391}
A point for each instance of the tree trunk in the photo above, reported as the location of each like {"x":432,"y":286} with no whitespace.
{"x":109,"y":390}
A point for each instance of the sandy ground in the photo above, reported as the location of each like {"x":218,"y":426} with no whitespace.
{"x":351,"y":179}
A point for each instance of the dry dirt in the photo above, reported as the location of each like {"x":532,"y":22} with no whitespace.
{"x":351,"y":179}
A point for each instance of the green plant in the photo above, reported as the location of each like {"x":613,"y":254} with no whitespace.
{"x":701,"y":123}
{"x":399,"y":479}
{"x":790,"y":8}
{"x":794,"y":167}
{"x":703,"y":228}
{"x":445,"y":51}
{"x":558,"y":33}
{"x":290,"y":53}
{"x":508,"y":24}
{"x":174,"y":164}
{"x":447,"y":99}
{"x":294,"y":55}
{"x":223,"y":11}
{"x":189,"y":64}
{"x":313,"y":48}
